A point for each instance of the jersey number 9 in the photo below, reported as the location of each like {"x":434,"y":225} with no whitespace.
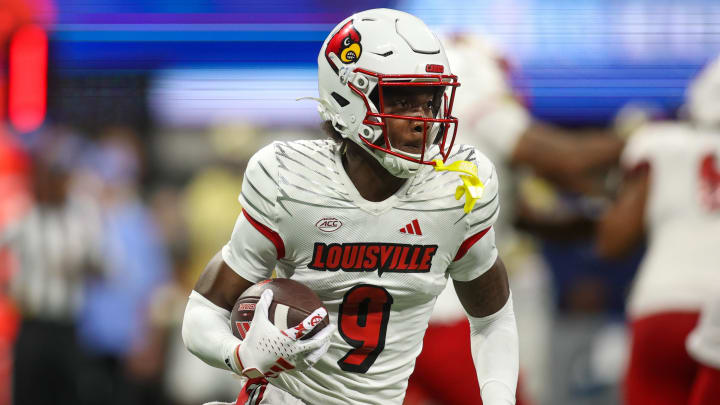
{"x":362,"y":322}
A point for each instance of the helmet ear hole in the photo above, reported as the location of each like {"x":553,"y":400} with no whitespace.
{"x":339,"y":127}
{"x":342,"y":101}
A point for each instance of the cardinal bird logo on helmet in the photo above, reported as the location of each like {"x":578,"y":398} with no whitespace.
{"x":345,"y":44}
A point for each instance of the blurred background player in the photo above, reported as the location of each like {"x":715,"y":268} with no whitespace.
{"x":703,"y":344}
{"x":55,"y":246}
{"x":84,"y":262}
{"x":494,"y":119}
{"x":15,"y":189}
{"x":124,"y":345}
{"x":671,"y":197}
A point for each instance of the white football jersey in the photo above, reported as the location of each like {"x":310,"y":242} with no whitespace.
{"x":377,"y":266}
{"x":681,"y":268}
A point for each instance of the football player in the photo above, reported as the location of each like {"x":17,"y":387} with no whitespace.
{"x":671,"y":192}
{"x":494,"y":119}
{"x":375,"y":221}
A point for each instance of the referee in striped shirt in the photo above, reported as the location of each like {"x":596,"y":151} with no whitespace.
{"x":55,"y":246}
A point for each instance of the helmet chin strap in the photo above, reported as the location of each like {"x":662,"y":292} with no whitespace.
{"x":397,"y":166}
{"x":472,"y":187}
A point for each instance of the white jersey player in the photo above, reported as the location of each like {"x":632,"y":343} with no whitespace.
{"x":374,"y":221}
{"x":493,"y":119}
{"x":682,"y":214}
{"x":672,"y":192}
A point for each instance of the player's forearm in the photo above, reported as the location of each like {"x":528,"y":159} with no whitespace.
{"x":601,"y":149}
{"x":494,"y":342}
{"x":622,"y":227}
{"x":206,"y":333}
{"x":556,"y":153}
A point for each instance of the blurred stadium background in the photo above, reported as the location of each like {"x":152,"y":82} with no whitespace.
{"x":149,"y":110}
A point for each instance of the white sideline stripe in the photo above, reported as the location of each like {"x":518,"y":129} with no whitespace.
{"x":281,"y":314}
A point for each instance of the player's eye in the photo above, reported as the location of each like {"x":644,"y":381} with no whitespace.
{"x":401,"y":102}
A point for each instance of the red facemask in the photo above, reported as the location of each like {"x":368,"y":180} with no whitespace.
{"x":413,"y":80}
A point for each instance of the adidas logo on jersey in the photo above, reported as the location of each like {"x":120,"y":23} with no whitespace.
{"x":383,"y":257}
{"x":413,"y":228}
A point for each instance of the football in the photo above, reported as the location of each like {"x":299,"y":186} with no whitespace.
{"x":292,"y":303}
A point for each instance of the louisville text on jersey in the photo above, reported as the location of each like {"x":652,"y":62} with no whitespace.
{"x":383,"y":257}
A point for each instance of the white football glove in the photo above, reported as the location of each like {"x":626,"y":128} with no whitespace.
{"x":267,"y":350}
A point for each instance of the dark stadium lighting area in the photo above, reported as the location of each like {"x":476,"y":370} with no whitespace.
{"x":608,"y":52}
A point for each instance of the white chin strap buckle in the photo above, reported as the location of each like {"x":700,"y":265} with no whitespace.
{"x":398,"y":166}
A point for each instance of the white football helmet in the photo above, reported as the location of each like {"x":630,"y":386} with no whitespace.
{"x":364,"y":55}
{"x":703,"y":96}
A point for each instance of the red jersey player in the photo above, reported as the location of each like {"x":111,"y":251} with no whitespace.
{"x":672,"y":194}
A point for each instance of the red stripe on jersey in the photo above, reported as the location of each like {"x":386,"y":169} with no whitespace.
{"x":468,"y":244}
{"x":269,"y":233}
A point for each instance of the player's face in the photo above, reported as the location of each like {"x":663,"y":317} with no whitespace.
{"x":421,"y":102}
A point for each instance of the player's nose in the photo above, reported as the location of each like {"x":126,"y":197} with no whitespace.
{"x":419,"y":125}
{"x":414,"y":138}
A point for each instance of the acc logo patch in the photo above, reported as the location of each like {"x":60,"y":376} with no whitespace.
{"x":328,"y":224}
{"x":345,"y":44}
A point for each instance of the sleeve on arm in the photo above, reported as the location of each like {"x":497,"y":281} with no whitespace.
{"x":255,"y":244}
{"x":477,"y":253}
{"x":637,"y":151}
{"x":206,"y":334}
{"x":477,"y":259}
{"x":494,"y":345}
